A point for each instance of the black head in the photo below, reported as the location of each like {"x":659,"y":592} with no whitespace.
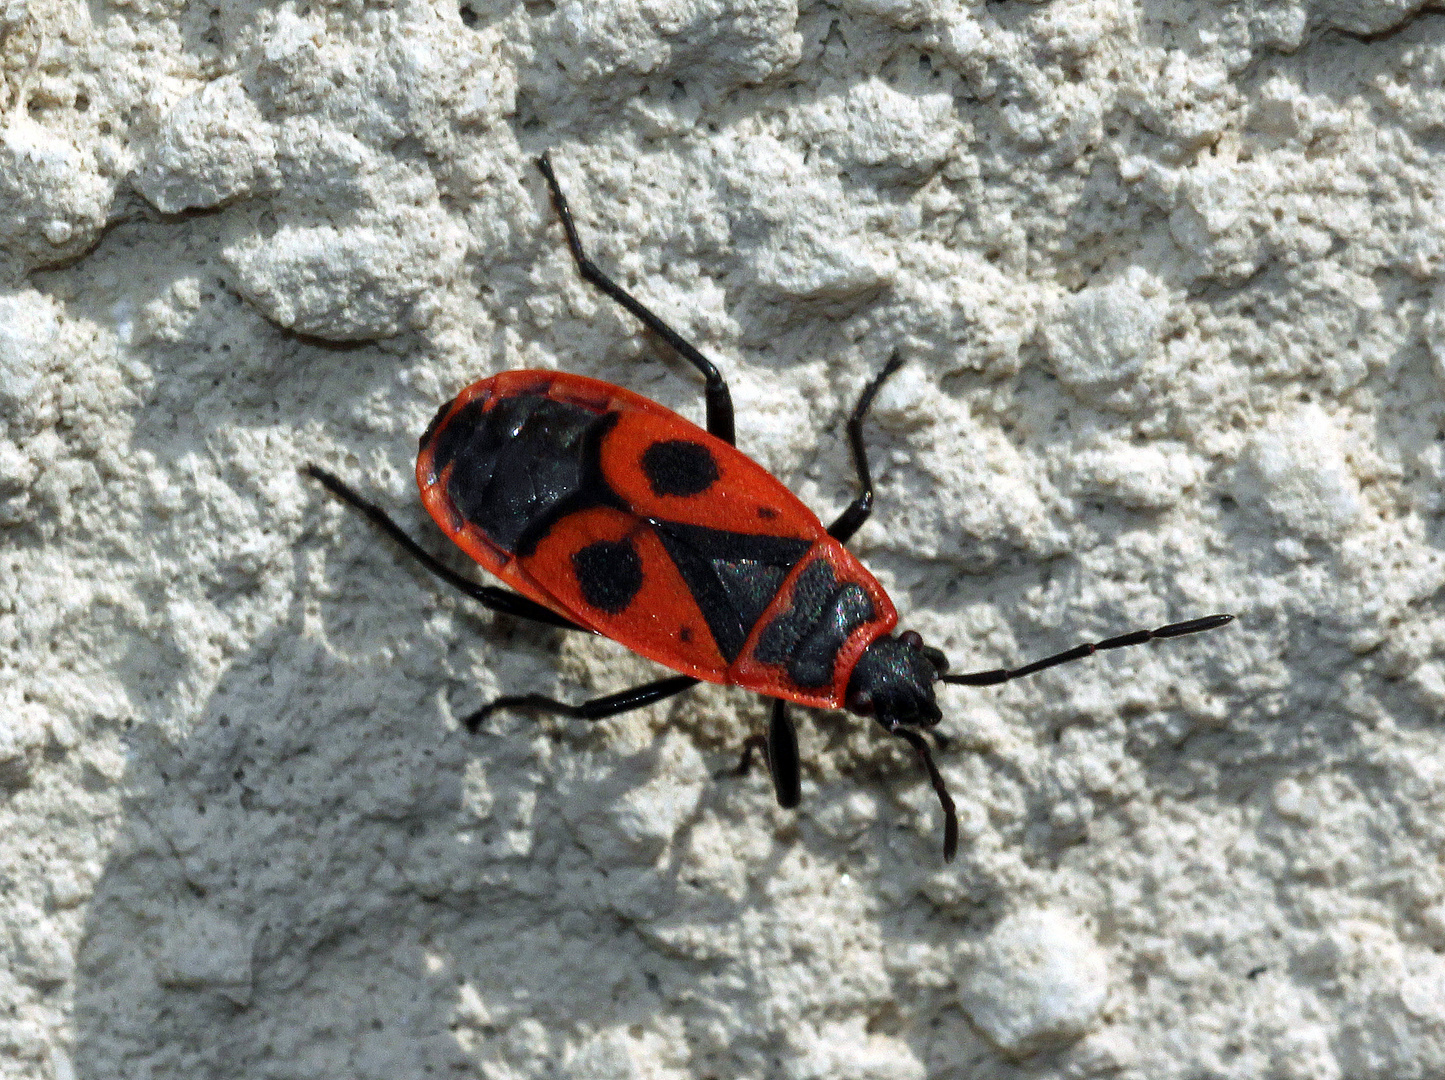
{"x":893,"y":682}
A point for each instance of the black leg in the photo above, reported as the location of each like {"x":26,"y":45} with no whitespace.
{"x":852,"y":519}
{"x":489,"y":596}
{"x":783,"y":756}
{"x":719,"y":401}
{"x":780,"y":752}
{"x":753,"y":744}
{"x":950,"y":814}
{"x":597,"y":709}
{"x":1078,"y":652}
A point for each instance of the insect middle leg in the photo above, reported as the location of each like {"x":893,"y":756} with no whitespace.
{"x":623,"y":701}
{"x":489,"y":596}
{"x":852,"y":519}
{"x":719,"y":400}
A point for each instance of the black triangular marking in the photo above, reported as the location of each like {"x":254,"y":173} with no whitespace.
{"x":750,"y":586}
{"x":732,"y":576}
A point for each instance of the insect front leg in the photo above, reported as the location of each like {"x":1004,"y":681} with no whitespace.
{"x":780,"y":753}
{"x":945,"y":800}
{"x":852,"y":519}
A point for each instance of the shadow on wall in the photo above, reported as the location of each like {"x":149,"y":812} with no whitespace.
{"x":322,"y":882}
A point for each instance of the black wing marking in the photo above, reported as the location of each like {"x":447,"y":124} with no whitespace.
{"x":733,"y":577}
{"x":523,"y":465}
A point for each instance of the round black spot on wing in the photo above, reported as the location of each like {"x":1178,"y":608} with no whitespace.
{"x":609,"y":573}
{"x":679,"y":467}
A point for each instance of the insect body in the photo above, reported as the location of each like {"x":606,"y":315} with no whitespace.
{"x":632,"y":522}
{"x":606,"y":512}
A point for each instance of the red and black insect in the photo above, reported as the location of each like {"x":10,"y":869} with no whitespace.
{"x":606,"y":512}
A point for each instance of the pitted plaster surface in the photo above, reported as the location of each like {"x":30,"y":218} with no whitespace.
{"x":1169,"y":280}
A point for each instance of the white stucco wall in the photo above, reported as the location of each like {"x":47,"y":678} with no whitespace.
{"x":1168,"y":277}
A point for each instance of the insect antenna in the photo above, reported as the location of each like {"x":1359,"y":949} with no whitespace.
{"x":995,"y":676}
{"x":950,"y":815}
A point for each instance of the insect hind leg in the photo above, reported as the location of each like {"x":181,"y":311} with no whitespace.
{"x":489,"y":596}
{"x":719,"y":399}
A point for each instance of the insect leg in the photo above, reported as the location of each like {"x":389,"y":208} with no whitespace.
{"x":1000,"y":675}
{"x":597,"y":709}
{"x":852,"y":519}
{"x":780,"y":751}
{"x":719,"y":400}
{"x":489,"y":596}
{"x":753,"y":744}
{"x":779,"y":748}
{"x":783,"y":756}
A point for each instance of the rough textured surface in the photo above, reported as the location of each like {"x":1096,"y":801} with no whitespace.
{"x":1169,"y":280}
{"x":1036,"y":979}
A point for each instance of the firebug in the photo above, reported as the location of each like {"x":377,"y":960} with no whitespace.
{"x":606,"y":512}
